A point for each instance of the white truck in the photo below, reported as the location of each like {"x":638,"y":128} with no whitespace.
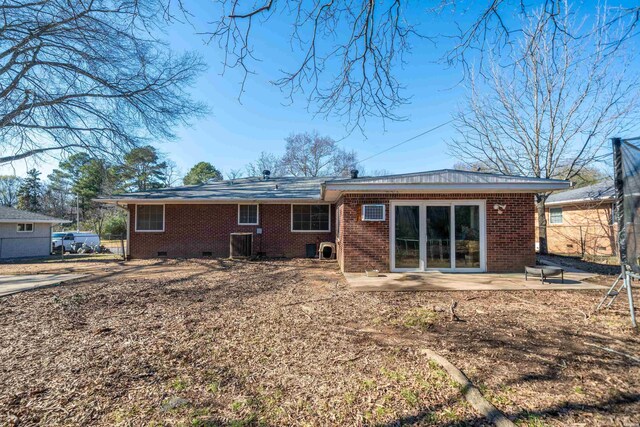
{"x":73,"y":240}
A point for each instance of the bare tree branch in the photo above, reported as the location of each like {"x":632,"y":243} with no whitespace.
{"x":548,"y":109}
{"x":87,"y":76}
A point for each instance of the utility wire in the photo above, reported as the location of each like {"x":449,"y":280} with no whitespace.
{"x":405,"y":141}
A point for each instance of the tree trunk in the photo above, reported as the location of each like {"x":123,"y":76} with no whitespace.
{"x":541,"y":200}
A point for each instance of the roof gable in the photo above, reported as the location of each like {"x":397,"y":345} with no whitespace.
{"x":597,"y":192}
{"x":8,"y":214}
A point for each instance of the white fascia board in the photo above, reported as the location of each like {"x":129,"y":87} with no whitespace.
{"x":574,"y":201}
{"x":32,"y":221}
{"x":476,"y":188}
{"x":208,"y":201}
{"x":332,"y":191}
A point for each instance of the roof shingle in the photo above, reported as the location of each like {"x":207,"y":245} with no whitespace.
{"x":8,"y":214}
{"x":601,"y":191}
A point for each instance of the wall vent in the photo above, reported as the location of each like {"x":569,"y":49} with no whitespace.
{"x":207,"y":253}
{"x":162,"y":254}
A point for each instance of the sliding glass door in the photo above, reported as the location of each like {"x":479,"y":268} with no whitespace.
{"x":438,"y":236}
{"x":442,"y":235}
{"x":407,"y":237}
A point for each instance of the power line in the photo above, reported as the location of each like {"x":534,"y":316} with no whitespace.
{"x":406,"y":140}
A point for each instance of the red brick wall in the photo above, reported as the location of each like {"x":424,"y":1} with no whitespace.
{"x":510,"y":235}
{"x":193,"y":229}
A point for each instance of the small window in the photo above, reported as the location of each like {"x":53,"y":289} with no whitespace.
{"x":248,"y":214}
{"x":310,"y":218}
{"x":150,"y":218}
{"x":25,"y":228}
{"x":555,"y":215}
{"x":373,"y":212}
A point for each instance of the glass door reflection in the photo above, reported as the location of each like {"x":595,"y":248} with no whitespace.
{"x":407,"y":237}
{"x":438,"y":237}
{"x":467,"y":234}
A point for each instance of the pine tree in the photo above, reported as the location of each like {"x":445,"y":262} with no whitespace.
{"x":30,"y":192}
{"x":202,"y":173}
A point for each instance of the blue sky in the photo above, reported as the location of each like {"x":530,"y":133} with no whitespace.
{"x":234,"y":133}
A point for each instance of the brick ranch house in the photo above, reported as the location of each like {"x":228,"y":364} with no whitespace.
{"x":582,"y":221}
{"x":446,"y":220}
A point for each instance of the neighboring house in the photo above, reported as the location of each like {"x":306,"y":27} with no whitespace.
{"x":582,"y":221}
{"x":25,"y":234}
{"x":446,"y":220}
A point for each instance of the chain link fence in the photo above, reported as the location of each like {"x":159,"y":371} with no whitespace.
{"x":115,"y":244}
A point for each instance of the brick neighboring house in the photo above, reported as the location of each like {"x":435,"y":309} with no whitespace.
{"x":445,"y":220}
{"x":582,"y":221}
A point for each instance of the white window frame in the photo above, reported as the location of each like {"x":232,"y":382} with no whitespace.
{"x":384,"y":212}
{"x":551,"y":216}
{"x":422,"y":205}
{"x":338,"y":217}
{"x":257,"y":214}
{"x":311,"y":231}
{"x":164,"y":218}
{"x":33,"y":227}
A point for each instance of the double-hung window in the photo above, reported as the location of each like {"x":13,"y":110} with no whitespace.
{"x":247,"y":214}
{"x":25,"y":227}
{"x":555,"y":215}
{"x":149,"y":217}
{"x":310,"y":218}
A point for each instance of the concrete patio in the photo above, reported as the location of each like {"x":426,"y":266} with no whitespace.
{"x":438,"y":281}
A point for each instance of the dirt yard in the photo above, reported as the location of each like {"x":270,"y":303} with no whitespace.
{"x":218,"y":342}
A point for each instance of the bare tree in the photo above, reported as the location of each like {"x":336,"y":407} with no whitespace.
{"x":344,"y":162}
{"x":9,"y":186}
{"x":234,"y":174}
{"x":547,"y":110}
{"x":346,"y":54}
{"x":172,"y":174}
{"x":309,"y":154}
{"x":88,"y":76}
{"x":266,"y":161}
{"x":346,"y":51}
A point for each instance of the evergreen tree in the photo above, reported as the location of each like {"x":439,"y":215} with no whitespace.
{"x":57,"y":195}
{"x":142,"y":169}
{"x":201,"y":173}
{"x":30,"y":192}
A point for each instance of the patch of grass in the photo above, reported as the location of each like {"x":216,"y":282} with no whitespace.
{"x":179,"y":384}
{"x":121,"y":416}
{"x":418,"y":318}
{"x":368,"y":384}
{"x":410,"y":397}
{"x":213,"y":387}
{"x":437,"y":371}
{"x":349,"y":398}
{"x":531,"y":421}
{"x":450,"y":415}
{"x":237,"y":405}
{"x":250,"y":419}
{"x":393,"y":375}
{"x":578,"y":390}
